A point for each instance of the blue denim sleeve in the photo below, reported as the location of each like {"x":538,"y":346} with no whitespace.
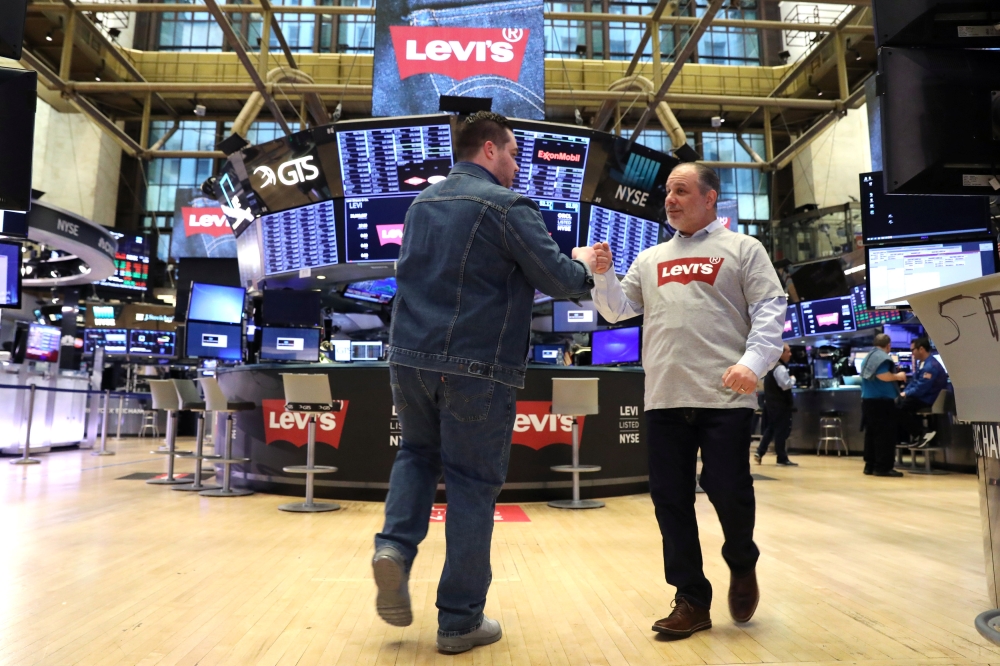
{"x":548,"y":270}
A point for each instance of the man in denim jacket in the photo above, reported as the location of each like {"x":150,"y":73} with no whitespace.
{"x":473,"y":254}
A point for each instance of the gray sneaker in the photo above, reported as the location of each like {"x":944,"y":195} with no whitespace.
{"x":393,"y":601}
{"x":488,"y":632}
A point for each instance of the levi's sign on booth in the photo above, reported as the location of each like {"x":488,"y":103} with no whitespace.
{"x":536,"y":427}
{"x":211,"y":221}
{"x":459,"y":52}
{"x":688,"y":270}
{"x":282,"y":426}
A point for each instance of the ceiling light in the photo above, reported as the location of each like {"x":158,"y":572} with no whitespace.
{"x":48,"y":35}
{"x":320,"y":277}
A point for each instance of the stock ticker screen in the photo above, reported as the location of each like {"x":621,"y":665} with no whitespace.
{"x":131,"y":263}
{"x":868,"y":318}
{"x":383,"y":170}
{"x":550,"y":165}
{"x":627,"y":235}
{"x":562,"y":219}
{"x":299,"y":238}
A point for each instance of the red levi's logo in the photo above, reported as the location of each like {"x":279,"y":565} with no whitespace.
{"x":282,"y":426}
{"x":536,"y":428}
{"x":686,"y":271}
{"x":211,"y":221}
{"x":459,"y":52}
{"x":390,"y":233}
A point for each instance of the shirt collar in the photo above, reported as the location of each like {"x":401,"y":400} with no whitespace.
{"x":712,"y":226}
{"x":479,"y":169}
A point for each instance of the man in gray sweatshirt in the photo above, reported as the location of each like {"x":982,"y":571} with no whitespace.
{"x":714,"y":312}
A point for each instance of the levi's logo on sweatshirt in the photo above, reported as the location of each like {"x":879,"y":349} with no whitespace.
{"x":688,"y":270}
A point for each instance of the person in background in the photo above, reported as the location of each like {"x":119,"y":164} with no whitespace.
{"x":714,"y":313}
{"x":926,"y":383}
{"x":777,"y":410}
{"x":878,"y":408}
{"x":473,"y":254}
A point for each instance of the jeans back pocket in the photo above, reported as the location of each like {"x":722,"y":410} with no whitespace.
{"x":468,"y":398}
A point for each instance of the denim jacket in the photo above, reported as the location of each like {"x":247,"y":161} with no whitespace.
{"x":473,"y":254}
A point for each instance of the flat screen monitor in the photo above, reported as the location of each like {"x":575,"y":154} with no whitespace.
{"x":366,"y":351}
{"x":903,"y":218}
{"x":216,"y":303}
{"x":209,"y":340}
{"x":131,"y":263}
{"x":627,"y":235}
{"x":615,"y":346}
{"x":828,"y":315}
{"x":156,"y":344}
{"x":822,"y":368}
{"x":300,"y":238}
{"x":551,"y":160}
{"x":113,"y":340}
{"x":549,"y":354}
{"x":562,"y":219}
{"x":895,"y":271}
{"x":628,"y":178}
{"x":793,"y":323}
{"x":820,"y":279}
{"x":866,"y":317}
{"x":924,"y":90}
{"x":568,"y":317}
{"x":372,"y":291}
{"x":42,"y":343}
{"x":902,"y":336}
{"x":290,"y":344}
{"x":10,"y":275}
{"x":373,"y":227}
{"x":13,"y":224}
{"x":341,"y":351}
{"x":292,"y":307}
{"x":904,"y":360}
{"x":18,"y":94}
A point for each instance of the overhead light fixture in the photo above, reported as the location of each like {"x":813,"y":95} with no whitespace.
{"x":717,"y":121}
{"x":48,"y":35}
{"x":320,"y":277}
{"x":99,"y":71}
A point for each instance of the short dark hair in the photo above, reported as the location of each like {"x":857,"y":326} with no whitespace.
{"x":882,"y":340}
{"x":480,"y":127}
{"x":707,"y":178}
{"x":923,"y":343}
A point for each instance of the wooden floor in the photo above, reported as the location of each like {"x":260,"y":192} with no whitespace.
{"x":96,"y":569}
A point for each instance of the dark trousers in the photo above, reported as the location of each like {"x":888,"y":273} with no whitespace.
{"x":880,"y":433}
{"x":777,"y":428}
{"x":723,"y":436}
{"x":911,"y":424}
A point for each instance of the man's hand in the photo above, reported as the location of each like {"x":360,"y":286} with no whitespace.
{"x":901,"y":377}
{"x":586,"y":255}
{"x":740,"y":378}
{"x":604,"y":258}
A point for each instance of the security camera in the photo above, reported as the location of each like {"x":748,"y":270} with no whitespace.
{"x":199,"y":110}
{"x":717,"y":121}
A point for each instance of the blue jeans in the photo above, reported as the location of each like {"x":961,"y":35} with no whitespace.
{"x":459,"y":425}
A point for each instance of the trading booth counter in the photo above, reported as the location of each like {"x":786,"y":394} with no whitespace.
{"x":362,"y":439}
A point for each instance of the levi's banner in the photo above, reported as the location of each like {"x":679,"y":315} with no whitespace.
{"x":211,"y":221}
{"x":459,"y":52}
{"x":282,"y":426}
{"x":201,"y":228}
{"x":536,"y":427}
{"x":688,"y":270}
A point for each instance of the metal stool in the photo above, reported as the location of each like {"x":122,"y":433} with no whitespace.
{"x":575,"y":397}
{"x":216,"y":401}
{"x":165,"y":397}
{"x":831,"y":429}
{"x":310,"y":395}
{"x":190,"y":400}
{"x":149,"y":422}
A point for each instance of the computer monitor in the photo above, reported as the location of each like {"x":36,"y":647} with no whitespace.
{"x":292,"y":307}
{"x":822,"y":368}
{"x":550,"y":354}
{"x":290,"y":344}
{"x":10,"y":275}
{"x":615,"y":346}
{"x":905,"y":360}
{"x":551,"y":160}
{"x":568,"y":317}
{"x":827,"y":316}
{"x":18,"y":91}
{"x":895,"y":271}
{"x":373,"y":291}
{"x":216,"y":303}
{"x":562,"y":220}
{"x":627,"y":235}
{"x":156,"y":344}
{"x":866,"y":317}
{"x":98,"y":337}
{"x":42,"y":343}
{"x":793,"y":323}
{"x":341,"y":351}
{"x":210,"y":340}
{"x":131,"y":263}
{"x":858,"y":359}
{"x":903,"y":218}
{"x":295,"y":239}
{"x":365,"y":350}
{"x":902,"y":336}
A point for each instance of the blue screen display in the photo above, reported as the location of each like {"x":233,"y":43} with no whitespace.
{"x":615,"y":345}
{"x":222,"y":341}
{"x":10,"y":275}
{"x":793,"y":323}
{"x":548,"y":354}
{"x":290,"y":344}
{"x":216,"y":303}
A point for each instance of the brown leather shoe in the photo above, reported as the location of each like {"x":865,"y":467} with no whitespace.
{"x":684,"y":620}
{"x":743,"y":596}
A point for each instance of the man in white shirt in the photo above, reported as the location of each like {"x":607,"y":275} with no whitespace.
{"x":777,"y":411}
{"x":714,"y":312}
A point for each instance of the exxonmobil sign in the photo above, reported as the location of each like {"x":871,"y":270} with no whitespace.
{"x":282,"y":426}
{"x":536,"y":428}
{"x":211,"y":221}
{"x":459,"y":52}
{"x":688,"y":270}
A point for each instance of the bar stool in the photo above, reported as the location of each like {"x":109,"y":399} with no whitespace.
{"x":190,"y":400}
{"x":575,"y":397}
{"x":831,"y":429}
{"x":149,"y":422}
{"x":165,"y":398}
{"x":216,"y":401}
{"x":310,"y":395}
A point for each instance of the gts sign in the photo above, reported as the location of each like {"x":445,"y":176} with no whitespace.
{"x":289,"y":173}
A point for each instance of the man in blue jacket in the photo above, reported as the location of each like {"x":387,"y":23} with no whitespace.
{"x":926,"y":383}
{"x":473,"y":254}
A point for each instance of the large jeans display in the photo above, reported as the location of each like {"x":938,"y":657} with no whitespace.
{"x":460,"y":426}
